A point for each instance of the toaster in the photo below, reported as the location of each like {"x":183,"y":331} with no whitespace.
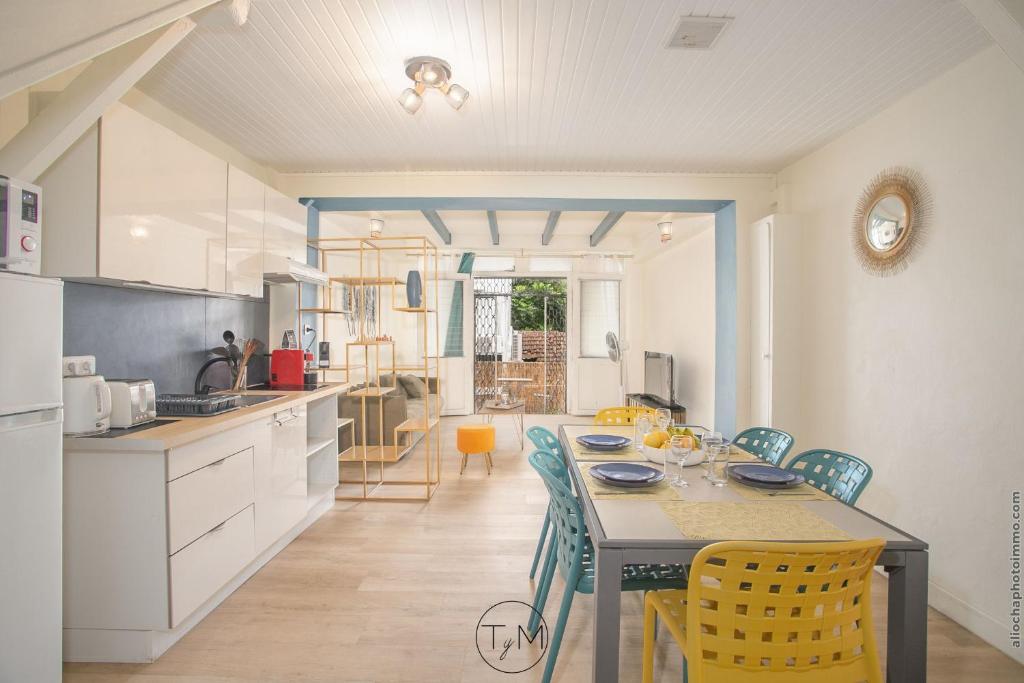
{"x":132,"y":402}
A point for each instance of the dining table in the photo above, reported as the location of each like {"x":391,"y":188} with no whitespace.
{"x":667,"y":524}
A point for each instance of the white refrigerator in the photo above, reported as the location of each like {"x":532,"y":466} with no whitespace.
{"x":31,"y":331}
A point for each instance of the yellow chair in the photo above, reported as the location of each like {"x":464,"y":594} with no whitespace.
{"x":772,"y":612}
{"x":475,"y":438}
{"x":622,"y":415}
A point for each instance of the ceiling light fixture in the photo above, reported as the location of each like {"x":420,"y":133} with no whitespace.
{"x":430,"y":72}
{"x":665,"y":228}
{"x":376,"y":227}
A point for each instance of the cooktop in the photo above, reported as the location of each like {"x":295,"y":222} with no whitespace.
{"x":287,"y":387}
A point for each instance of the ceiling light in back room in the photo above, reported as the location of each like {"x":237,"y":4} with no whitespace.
{"x":665,"y":229}
{"x":430,"y":72}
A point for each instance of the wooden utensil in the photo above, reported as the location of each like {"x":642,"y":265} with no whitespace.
{"x":251,"y":346}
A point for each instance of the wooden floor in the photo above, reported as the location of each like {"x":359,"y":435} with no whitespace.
{"x":393,"y":592}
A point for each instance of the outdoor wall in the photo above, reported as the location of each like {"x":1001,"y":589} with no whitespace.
{"x":531,"y":392}
{"x":921,"y":373}
{"x":676,"y":296}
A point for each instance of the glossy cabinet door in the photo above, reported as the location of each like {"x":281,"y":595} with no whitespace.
{"x":284,"y":230}
{"x":244,"y":234}
{"x":162,"y":216}
{"x":280,"y":477}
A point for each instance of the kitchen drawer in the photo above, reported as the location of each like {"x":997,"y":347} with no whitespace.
{"x":201,"y":500}
{"x":203,"y":567}
{"x":198,"y":454}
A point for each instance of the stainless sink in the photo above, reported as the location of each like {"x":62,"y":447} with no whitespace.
{"x":254,"y":399}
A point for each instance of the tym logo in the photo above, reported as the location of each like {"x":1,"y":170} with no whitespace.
{"x":511,"y":637}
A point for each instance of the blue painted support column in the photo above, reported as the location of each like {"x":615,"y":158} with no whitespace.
{"x":309,"y":292}
{"x":726,"y":326}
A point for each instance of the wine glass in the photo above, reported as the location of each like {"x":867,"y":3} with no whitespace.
{"x":709,"y":441}
{"x":663,"y":417}
{"x":678,"y":451}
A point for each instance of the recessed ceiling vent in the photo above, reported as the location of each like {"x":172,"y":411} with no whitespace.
{"x":697,"y":33}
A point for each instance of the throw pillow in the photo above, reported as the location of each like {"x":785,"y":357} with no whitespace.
{"x":414,"y":386}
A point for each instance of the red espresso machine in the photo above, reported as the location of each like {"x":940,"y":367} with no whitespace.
{"x":288,"y":367}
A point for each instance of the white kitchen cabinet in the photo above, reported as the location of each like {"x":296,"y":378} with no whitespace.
{"x":159,"y":530}
{"x":280,"y":468}
{"x":162,"y":205}
{"x":284,"y":232}
{"x":134,"y":201}
{"x":199,"y":569}
{"x":245,"y":216}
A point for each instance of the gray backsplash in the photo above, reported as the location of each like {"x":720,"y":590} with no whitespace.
{"x":159,"y":335}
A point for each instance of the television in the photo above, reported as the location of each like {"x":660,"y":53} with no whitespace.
{"x":658,"y":376}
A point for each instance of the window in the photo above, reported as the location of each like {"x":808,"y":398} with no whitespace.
{"x":599,"y":315}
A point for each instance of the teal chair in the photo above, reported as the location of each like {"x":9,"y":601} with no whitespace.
{"x":840,"y":475}
{"x":573,"y":553}
{"x":771,"y":445}
{"x":544,"y":440}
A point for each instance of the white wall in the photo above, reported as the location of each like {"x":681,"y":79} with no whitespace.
{"x":922,"y":374}
{"x":676,"y":302}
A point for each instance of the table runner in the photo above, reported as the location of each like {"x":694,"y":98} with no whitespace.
{"x":719,"y":521}
{"x":599,"y":491}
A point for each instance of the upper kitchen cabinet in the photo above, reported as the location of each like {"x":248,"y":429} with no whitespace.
{"x":246,"y":197}
{"x":160,"y":202}
{"x":284,"y":233}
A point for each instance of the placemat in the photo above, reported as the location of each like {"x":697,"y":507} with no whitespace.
{"x":628,"y":454}
{"x":583,"y":454}
{"x":760,"y":521}
{"x":599,"y":491}
{"x":802,"y":492}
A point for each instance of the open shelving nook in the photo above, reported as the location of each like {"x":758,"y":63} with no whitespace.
{"x":370,"y":358}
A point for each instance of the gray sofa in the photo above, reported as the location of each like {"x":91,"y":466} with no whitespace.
{"x":399,"y":406}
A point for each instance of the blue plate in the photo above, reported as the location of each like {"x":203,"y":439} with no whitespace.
{"x":626,"y":474}
{"x":765,"y":476}
{"x":603,"y":442}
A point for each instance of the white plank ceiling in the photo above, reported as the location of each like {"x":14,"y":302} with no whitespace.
{"x":556,"y":85}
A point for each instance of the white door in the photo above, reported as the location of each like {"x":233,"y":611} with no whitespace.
{"x":30,"y":536}
{"x":761,"y":325}
{"x":592,"y":378}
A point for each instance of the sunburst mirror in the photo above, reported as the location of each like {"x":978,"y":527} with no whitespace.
{"x":891,"y":220}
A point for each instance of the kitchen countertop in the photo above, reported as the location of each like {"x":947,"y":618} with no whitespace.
{"x":187,"y":429}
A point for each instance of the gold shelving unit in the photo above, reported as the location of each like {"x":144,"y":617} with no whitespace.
{"x":375,"y":357}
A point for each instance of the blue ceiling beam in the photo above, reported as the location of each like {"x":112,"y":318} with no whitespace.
{"x":435,"y":220}
{"x":516,"y":204}
{"x":606,"y":224}
{"x":549,"y":229}
{"x":492,"y":223}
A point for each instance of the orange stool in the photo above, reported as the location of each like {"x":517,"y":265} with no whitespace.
{"x":475,"y":438}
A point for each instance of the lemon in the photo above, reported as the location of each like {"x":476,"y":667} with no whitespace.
{"x":656,"y":439}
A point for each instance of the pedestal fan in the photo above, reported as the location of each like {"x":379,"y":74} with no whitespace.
{"x":615,"y":351}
